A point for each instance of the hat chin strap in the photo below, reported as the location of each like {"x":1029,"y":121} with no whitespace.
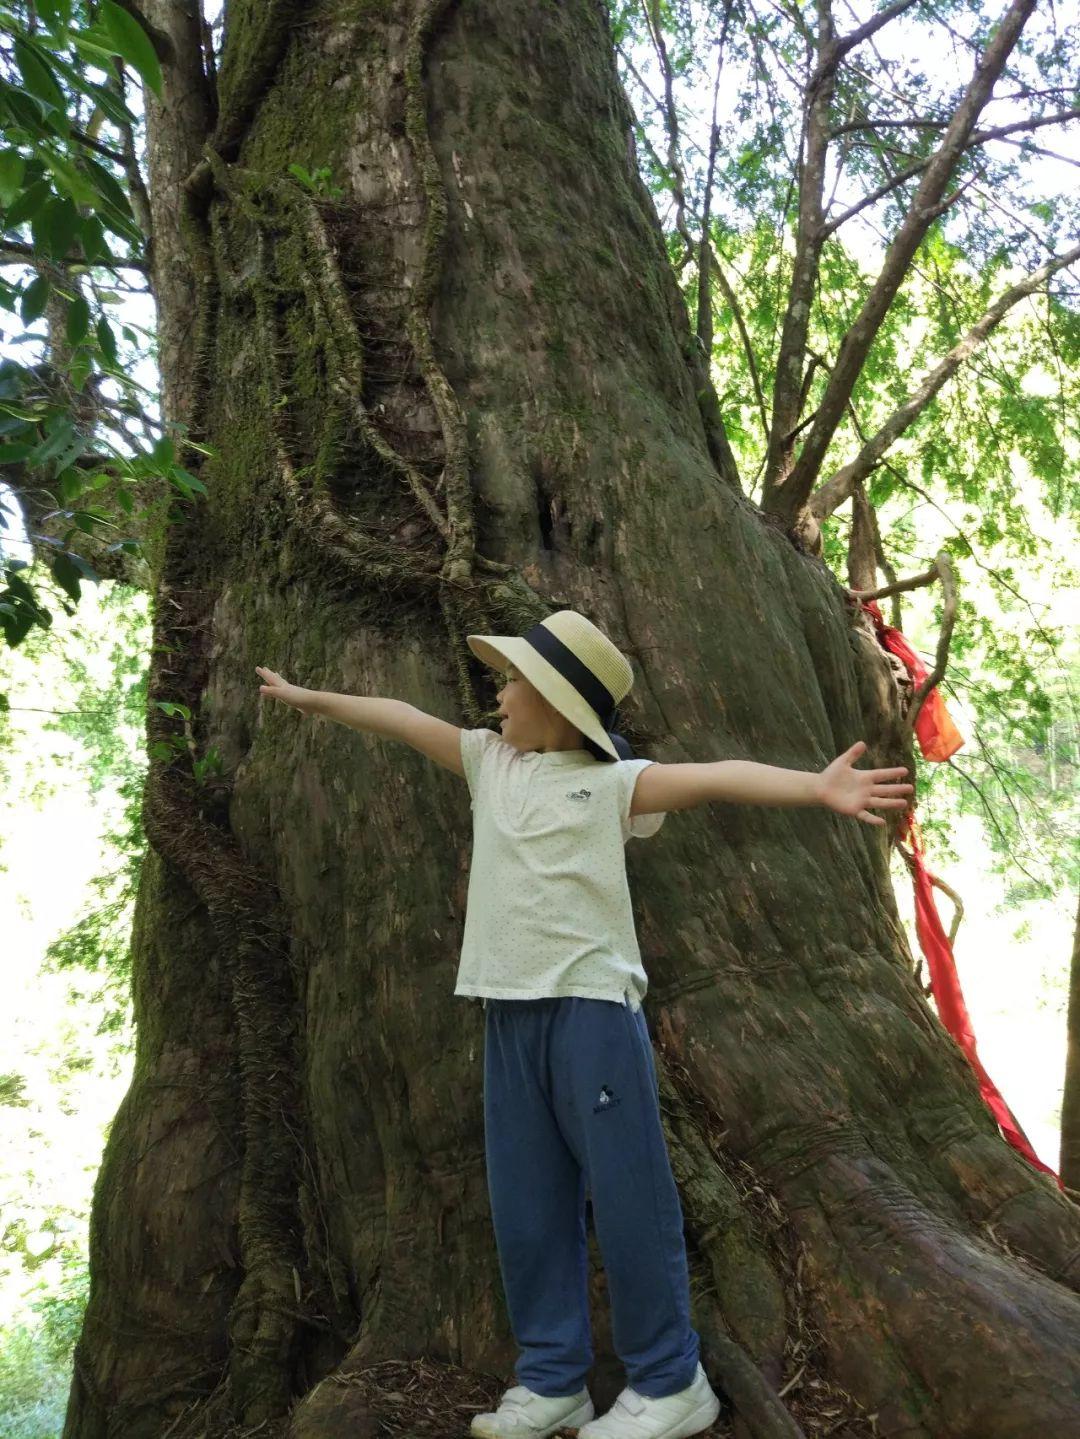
{"x":592,"y":690}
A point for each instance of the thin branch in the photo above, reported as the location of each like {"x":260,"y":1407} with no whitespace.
{"x":872,"y":26}
{"x":1034,"y":123}
{"x":958,"y":911}
{"x":788,"y":383}
{"x":13,"y":252}
{"x":915,"y":582}
{"x":997,"y":578}
{"x":650,"y":9}
{"x":744,"y":335}
{"x":978,"y":137}
{"x":140,"y":199}
{"x":36,"y":709}
{"x":835,"y":490}
{"x":786,"y":497}
{"x":988,"y":807}
{"x":96,"y":145}
{"x":948,"y":585}
{"x":705,"y":311}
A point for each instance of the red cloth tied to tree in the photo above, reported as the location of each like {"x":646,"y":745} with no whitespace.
{"x":949,"y":998}
{"x":937,"y":735}
{"x":939,"y":738}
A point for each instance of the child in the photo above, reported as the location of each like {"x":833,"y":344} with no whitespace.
{"x":571,"y":1096}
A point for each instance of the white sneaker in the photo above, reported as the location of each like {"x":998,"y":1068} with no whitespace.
{"x":676,"y":1416}
{"x":523,"y":1414}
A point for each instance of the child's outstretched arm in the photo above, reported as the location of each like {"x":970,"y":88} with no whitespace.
{"x":393,"y":719}
{"x":838,"y":787}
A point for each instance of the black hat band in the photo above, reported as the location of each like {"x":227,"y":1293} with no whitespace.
{"x":562,"y":658}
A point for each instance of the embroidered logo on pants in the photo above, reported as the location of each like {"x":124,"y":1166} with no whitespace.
{"x":607,"y":1100}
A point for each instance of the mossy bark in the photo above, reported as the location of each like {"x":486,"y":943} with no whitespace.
{"x":458,"y":395}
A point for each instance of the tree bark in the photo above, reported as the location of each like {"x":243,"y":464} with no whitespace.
{"x":1070,"y":1099}
{"x":453,"y":398}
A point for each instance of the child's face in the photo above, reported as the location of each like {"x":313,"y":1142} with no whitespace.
{"x":526,"y":716}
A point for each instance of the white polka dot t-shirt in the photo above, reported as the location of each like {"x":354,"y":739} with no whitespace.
{"x":548,"y":910}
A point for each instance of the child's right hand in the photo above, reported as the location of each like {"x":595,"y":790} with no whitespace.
{"x":279,"y":689}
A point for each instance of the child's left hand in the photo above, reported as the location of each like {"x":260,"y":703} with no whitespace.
{"x":852,"y":791}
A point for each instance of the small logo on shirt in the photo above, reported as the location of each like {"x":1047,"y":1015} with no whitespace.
{"x":578,"y":793}
{"x":607,"y":1100}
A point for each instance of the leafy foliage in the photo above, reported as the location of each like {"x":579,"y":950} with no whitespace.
{"x":68,"y":229}
{"x":988,"y":469}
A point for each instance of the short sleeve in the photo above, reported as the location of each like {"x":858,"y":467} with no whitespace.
{"x":641,"y":826}
{"x":475,"y":743}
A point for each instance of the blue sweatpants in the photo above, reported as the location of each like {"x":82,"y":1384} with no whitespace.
{"x":571,"y":1099}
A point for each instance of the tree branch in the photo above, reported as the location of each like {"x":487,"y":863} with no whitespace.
{"x":948,"y":584}
{"x":898,"y":587}
{"x":1035,"y":123}
{"x":748,"y":349}
{"x":837,"y":489}
{"x":140,"y":200}
{"x":787,"y":386}
{"x":13,"y":252}
{"x":786,"y":497}
{"x":705,"y":313}
{"x":872,"y":26}
{"x":979,"y":137}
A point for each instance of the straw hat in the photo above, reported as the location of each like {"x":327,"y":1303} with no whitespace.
{"x":576,"y":668}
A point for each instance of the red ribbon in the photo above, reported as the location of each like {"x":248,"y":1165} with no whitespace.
{"x":939,"y":738}
{"x":949,"y":998}
{"x":937,"y":735}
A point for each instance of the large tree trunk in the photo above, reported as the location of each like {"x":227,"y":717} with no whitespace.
{"x":457,"y":397}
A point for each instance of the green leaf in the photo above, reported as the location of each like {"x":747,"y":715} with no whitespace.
{"x":92,"y":237}
{"x":66,"y":575}
{"x":186,"y":482}
{"x":40,"y":81}
{"x":26,"y":111}
{"x":164,"y":451}
{"x":28,"y":204}
{"x":110,"y":189}
{"x":71,"y":483}
{"x":13,"y":453}
{"x":56,"y":226}
{"x":74,"y":451}
{"x":97,"y":46}
{"x":106,"y":340}
{"x":88,"y":519}
{"x":133,"y":43}
{"x":56,"y":14}
{"x":78,"y":319}
{"x":68,"y":178}
{"x":79,"y":369}
{"x":109,"y":103}
{"x":12,"y":169}
{"x":60,"y":430}
{"x":35,"y":298}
